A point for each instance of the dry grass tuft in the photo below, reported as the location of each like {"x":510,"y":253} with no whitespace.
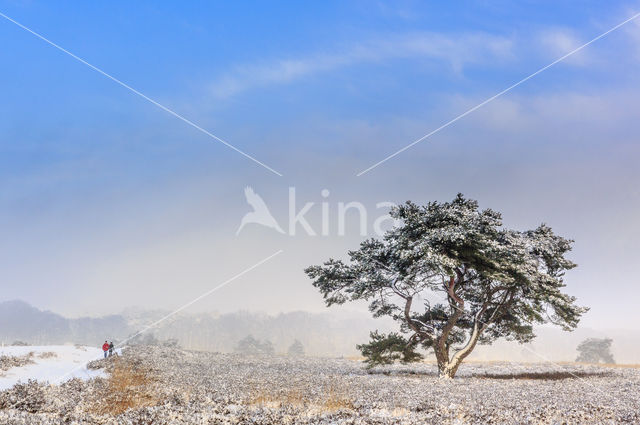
{"x":291,"y":397}
{"x":621,"y":366}
{"x":356,"y":358}
{"x":400,"y":412}
{"x":337,"y":400}
{"x":47,"y":355}
{"x":128,"y":387}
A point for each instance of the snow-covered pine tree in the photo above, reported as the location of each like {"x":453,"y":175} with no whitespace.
{"x":595,"y":350}
{"x":485,"y":282}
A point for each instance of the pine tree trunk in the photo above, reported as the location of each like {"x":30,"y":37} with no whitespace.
{"x":448,"y":370}
{"x":444,"y":366}
{"x":447,"y":367}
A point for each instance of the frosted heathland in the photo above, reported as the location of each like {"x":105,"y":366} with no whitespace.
{"x":172,"y":386}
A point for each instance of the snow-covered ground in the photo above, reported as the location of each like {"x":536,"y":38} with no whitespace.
{"x":166,"y":386}
{"x":68,"y":362}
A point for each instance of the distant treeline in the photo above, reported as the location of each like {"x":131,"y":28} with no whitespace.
{"x":331,"y":334}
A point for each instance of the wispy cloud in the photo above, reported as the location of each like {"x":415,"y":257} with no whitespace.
{"x":455,"y":51}
{"x":582,"y":115}
{"x":556,"y":42}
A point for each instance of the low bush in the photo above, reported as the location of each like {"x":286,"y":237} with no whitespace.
{"x":28,"y":397}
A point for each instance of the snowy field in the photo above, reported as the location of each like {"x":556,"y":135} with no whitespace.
{"x":66,"y":362}
{"x":164,"y":386}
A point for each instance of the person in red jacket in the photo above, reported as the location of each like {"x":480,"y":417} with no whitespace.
{"x":105,"y":348}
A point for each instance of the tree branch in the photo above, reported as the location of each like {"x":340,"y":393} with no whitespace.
{"x":451,"y":291}
{"x":411,"y":322}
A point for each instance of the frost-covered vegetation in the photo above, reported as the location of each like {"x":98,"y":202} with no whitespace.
{"x":476,"y":281}
{"x":8,"y":362}
{"x":159,"y":385}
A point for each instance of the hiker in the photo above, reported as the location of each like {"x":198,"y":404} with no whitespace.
{"x":111,"y":349}
{"x":105,"y":348}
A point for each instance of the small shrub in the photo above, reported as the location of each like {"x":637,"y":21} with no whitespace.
{"x":28,"y":397}
{"x":97,"y":364}
{"x":8,"y":362}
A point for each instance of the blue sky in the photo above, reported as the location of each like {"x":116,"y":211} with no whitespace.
{"x":104,"y":198}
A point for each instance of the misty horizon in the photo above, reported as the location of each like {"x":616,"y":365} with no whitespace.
{"x":337,"y":311}
{"x":328,"y":334}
